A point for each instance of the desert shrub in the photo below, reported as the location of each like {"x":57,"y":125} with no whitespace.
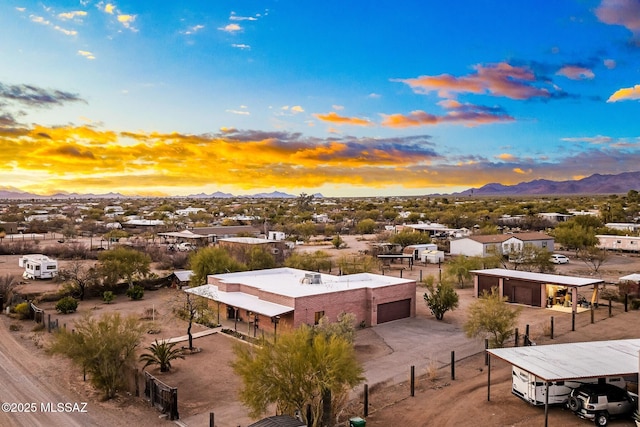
{"x":108,"y":297}
{"x":67,"y":305}
{"x":635,"y":304}
{"x":15,"y":327}
{"x":22,"y":310}
{"x":136,"y":292}
{"x":19,"y":247}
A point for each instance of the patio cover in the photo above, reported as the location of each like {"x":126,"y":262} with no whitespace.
{"x":635,"y":277}
{"x":241,"y":300}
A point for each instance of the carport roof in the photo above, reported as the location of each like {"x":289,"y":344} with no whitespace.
{"x":559,"y":362}
{"x":539,"y":277}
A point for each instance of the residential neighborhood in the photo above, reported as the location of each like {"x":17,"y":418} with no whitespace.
{"x":262,"y":269}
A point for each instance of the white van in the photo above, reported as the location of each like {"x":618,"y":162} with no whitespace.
{"x":531,"y":389}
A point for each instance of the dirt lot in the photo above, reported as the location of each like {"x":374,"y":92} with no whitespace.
{"x":206,"y":383}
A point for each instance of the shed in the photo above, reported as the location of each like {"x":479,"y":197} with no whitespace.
{"x":632,"y":281}
{"x":535,"y":289}
{"x":562,"y":362}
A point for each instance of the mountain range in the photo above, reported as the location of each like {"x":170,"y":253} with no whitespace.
{"x":15,"y":194}
{"x":594,"y":184}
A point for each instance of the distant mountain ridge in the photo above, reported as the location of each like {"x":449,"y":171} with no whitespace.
{"x":15,"y":194}
{"x":594,"y":184}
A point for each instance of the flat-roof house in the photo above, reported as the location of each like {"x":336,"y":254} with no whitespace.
{"x":303,"y":297}
{"x":484,"y":245}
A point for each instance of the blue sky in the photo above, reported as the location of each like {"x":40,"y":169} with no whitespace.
{"x":343,"y":98}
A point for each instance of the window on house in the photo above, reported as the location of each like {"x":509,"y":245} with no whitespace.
{"x":319,"y":315}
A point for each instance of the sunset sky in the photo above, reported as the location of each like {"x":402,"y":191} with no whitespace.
{"x":344,"y":98}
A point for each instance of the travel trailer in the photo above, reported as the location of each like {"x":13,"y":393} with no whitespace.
{"x":531,"y":389}
{"x":38,"y":266}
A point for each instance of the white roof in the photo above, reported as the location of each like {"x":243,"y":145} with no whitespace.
{"x":289,"y":281}
{"x":635,"y":277}
{"x":185,"y":234}
{"x":241,"y":300}
{"x":556,"y":362}
{"x":183,"y":275}
{"x":539,"y":277}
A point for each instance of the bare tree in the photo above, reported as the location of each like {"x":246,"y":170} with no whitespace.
{"x":80,"y":276}
{"x":593,"y":257}
{"x":7,"y":283}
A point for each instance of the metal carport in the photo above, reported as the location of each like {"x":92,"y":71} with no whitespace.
{"x":563,"y":362}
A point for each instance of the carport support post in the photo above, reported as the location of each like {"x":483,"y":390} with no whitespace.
{"x":592,"y":313}
{"x":610,"y":307}
{"x":212,"y":419}
{"x":366,"y":400}
{"x":517,"y":337}
{"x":486,"y":353}
{"x":551,"y":327}
{"x":573,"y":320}
{"x":489,"y":379}
{"x":413,"y":380}
{"x":546,"y":403}
{"x":453,"y":365}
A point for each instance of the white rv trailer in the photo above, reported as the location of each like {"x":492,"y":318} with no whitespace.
{"x":531,"y":389}
{"x":38,"y":266}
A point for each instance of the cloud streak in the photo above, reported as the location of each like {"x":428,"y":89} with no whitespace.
{"x":500,"y":80}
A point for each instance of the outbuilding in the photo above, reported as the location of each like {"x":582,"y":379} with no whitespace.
{"x":535,"y":289}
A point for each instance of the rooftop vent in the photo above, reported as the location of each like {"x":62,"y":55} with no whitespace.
{"x":312,"y":279}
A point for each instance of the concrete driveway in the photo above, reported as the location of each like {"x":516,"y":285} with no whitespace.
{"x":415,"y":342}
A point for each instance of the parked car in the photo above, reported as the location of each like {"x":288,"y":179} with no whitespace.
{"x":559,"y":259}
{"x":599,"y":402}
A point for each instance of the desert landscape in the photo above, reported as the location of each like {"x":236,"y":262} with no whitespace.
{"x":206,"y":383}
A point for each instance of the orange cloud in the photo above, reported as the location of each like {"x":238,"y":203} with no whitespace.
{"x":506,"y":157}
{"x":333,"y":117}
{"x":500,"y":79}
{"x":466,"y":114}
{"x":575,"y":72}
{"x":625,"y":94}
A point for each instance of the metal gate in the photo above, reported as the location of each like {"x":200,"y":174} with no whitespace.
{"x":163,"y":397}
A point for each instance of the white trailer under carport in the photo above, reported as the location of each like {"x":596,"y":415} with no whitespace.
{"x":571,"y":362}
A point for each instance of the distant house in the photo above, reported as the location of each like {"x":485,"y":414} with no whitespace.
{"x":504,"y":244}
{"x":619,"y":243}
{"x":240,"y":246}
{"x":224,"y":231}
{"x":627,"y":227}
{"x":554,"y":217}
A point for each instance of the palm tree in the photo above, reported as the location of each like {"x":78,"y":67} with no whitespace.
{"x":161,"y":353}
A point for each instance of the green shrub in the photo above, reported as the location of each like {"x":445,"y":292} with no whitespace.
{"x":22,"y":310}
{"x":108,"y":297}
{"x":136,"y":292}
{"x":635,"y":304}
{"x":67,"y":305}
